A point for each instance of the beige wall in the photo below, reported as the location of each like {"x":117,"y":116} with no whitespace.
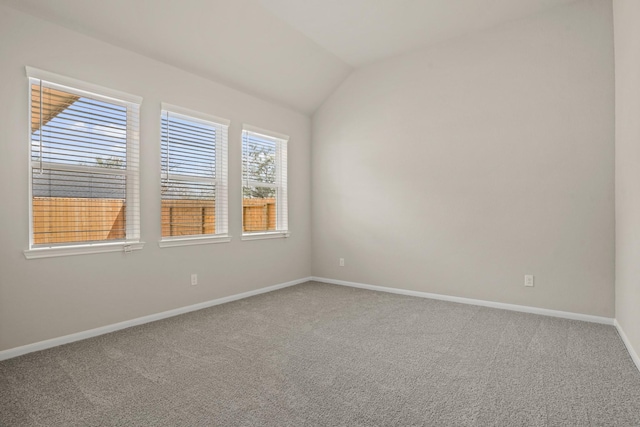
{"x":47,"y":298}
{"x":627,"y":63}
{"x":460,"y":168}
{"x":454,"y":170}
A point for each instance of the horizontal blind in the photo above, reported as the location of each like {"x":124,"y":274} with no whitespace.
{"x":264,"y":183}
{"x":194,"y":175}
{"x":84,"y":166}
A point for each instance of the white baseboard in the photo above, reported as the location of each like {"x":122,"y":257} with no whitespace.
{"x":54,"y":342}
{"x":627,"y":343}
{"x":483,"y":303}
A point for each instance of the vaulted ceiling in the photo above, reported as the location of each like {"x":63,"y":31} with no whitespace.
{"x":292,"y":52}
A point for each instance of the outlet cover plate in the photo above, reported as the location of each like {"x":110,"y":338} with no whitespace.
{"x":528,"y":280}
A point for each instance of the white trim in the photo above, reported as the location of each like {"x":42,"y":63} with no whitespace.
{"x":265,"y":132}
{"x":74,"y":84}
{"x":94,"y":248}
{"x":260,"y":236}
{"x":222,"y":183}
{"x":627,"y":343}
{"x":28,"y":157}
{"x":132,"y":187}
{"x":188,"y":241}
{"x":483,"y":303}
{"x":194,"y":115}
{"x":54,"y":342}
{"x":282,"y":195}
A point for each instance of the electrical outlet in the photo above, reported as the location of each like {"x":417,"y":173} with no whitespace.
{"x":528,"y":280}
{"x":341,"y":262}
{"x":194,"y":279}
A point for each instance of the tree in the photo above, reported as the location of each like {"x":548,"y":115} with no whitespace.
{"x":112,"y":162}
{"x":260,"y":165}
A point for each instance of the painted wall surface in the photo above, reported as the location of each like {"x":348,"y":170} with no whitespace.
{"x":627,"y":64}
{"x":460,"y":168}
{"x":47,"y":298}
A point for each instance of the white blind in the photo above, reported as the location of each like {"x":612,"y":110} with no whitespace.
{"x":194,"y":174}
{"x":84,"y":165}
{"x":264,"y":182}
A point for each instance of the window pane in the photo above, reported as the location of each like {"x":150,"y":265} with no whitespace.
{"x":258,"y":158}
{"x":193,"y":175}
{"x":264,"y":175}
{"x":79,"y":166}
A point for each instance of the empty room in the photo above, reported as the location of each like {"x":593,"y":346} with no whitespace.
{"x":320,"y":213}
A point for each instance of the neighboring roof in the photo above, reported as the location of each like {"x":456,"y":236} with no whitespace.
{"x":56,"y":102}
{"x":76,"y":185}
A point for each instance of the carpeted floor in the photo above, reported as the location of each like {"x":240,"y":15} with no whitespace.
{"x":324,"y":355}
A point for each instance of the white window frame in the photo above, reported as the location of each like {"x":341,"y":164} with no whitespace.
{"x":221,"y":179}
{"x":132,"y":103}
{"x":281,"y":185}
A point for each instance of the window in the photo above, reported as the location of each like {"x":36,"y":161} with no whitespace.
{"x":84,"y":167}
{"x":264,"y":184}
{"x":194,"y":177}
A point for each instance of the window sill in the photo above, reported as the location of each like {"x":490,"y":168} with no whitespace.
{"x":188,"y":241}
{"x":95,"y":248}
{"x":268,"y":235}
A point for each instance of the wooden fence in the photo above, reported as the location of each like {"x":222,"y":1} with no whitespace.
{"x":188,"y":217}
{"x":64,"y":219}
{"x":258,"y":214}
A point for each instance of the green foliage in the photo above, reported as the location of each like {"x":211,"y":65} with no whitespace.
{"x":110,"y":162}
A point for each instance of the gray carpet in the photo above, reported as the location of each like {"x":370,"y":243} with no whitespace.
{"x":324,"y":355}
